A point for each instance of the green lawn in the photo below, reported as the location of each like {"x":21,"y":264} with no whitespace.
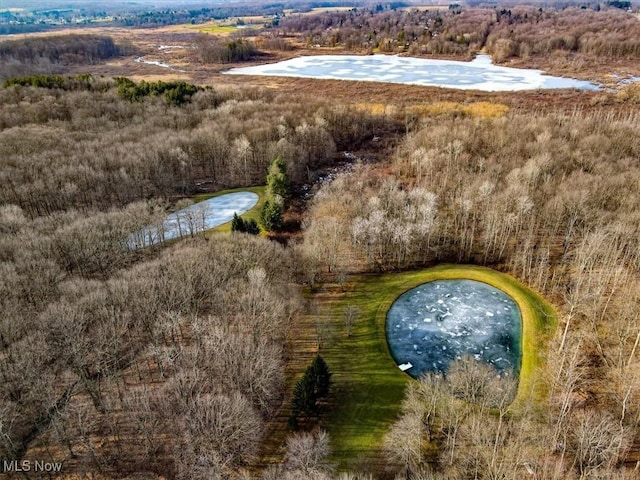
{"x":368,"y":386}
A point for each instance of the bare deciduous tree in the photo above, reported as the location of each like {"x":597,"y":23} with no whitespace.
{"x":351,"y":315}
{"x":308,"y":452}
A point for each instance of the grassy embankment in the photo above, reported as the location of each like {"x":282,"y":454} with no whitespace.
{"x":368,"y":386}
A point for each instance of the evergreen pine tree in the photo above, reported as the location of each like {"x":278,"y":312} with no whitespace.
{"x":278,"y":180}
{"x":237,"y":224}
{"x":304,"y":399}
{"x":313,"y":385}
{"x":321,"y":376}
{"x":251,"y":226}
{"x":271,"y":216}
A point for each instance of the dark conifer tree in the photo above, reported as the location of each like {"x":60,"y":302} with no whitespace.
{"x":313,"y":385}
{"x":271,"y":216}
{"x":237,"y":224}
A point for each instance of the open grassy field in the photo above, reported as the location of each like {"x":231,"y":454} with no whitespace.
{"x":368,"y":387}
{"x":221,"y":28}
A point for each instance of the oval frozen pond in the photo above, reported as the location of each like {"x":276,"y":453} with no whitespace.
{"x":479,"y":74}
{"x":438,"y":322}
{"x":196,"y":218}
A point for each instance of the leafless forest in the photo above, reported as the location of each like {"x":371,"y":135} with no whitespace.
{"x":505,"y":32}
{"x":559,"y":39}
{"x":171,"y":361}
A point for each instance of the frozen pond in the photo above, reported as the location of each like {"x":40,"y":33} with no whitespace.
{"x":196,"y":218}
{"x":479,"y":74}
{"x":435,"y":323}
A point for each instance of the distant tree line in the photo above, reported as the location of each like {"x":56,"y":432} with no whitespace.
{"x":516,"y":32}
{"x":69,"y":83}
{"x":219,"y":12}
{"x":63,"y":49}
{"x":213,"y":49}
{"x":54,"y":53}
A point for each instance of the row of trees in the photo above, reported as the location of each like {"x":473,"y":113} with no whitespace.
{"x":52,"y":53}
{"x":527,"y":32}
{"x":416,"y":31}
{"x":519,"y":32}
{"x":65,"y":49}
{"x":587,"y":445}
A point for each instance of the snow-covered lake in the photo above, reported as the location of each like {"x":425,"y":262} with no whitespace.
{"x":436,"y":323}
{"x":196,"y":218}
{"x":479,"y":74}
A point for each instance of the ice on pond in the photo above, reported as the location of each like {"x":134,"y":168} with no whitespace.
{"x":479,"y":74}
{"x":196,"y":218}
{"x":466,"y":325}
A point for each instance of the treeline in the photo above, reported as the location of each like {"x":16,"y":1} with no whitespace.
{"x":52,"y":54}
{"x":414,"y":31}
{"x":15,"y":28}
{"x":68,"y":82}
{"x":517,"y":32}
{"x":525,"y":32}
{"x":175,"y":93}
{"x":550,"y":199}
{"x":213,"y":49}
{"x":106,"y":151}
{"x":174,"y":16}
{"x":62,"y":49}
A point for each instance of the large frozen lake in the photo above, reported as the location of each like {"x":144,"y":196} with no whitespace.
{"x":479,"y":74}
{"x":196,"y":218}
{"x":438,"y":322}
